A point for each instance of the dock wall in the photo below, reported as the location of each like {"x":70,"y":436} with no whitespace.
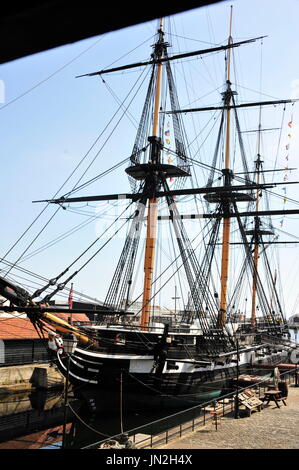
{"x":28,"y":377}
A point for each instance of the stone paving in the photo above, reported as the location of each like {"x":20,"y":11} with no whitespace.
{"x":272,"y":428}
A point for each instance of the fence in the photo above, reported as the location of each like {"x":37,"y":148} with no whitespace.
{"x":162,"y":431}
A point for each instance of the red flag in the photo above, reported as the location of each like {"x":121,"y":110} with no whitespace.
{"x":71,"y":297}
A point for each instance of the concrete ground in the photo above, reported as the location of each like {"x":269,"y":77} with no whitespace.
{"x":272,"y":428}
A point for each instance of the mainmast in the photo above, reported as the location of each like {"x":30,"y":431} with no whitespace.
{"x":227,"y":182}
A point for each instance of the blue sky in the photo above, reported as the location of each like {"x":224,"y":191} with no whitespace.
{"x":46,"y":132}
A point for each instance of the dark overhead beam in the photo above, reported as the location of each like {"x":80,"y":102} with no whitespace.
{"x":35,"y":26}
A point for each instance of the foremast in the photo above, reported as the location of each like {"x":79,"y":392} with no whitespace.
{"x":150,"y":244}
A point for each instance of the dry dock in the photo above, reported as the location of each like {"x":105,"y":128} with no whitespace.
{"x":272,"y":428}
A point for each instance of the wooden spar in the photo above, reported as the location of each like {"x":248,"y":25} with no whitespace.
{"x":231,"y":106}
{"x":256,"y":245}
{"x":177,"y":192}
{"x":149,"y":261}
{"x":167,"y":59}
{"x":36,"y":312}
{"x":150,"y":245}
{"x":230,"y":40}
{"x":64,"y":327}
{"x":254,"y":281}
{"x":158,"y":93}
{"x":226,"y":220}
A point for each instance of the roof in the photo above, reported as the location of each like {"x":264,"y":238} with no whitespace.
{"x":17,"y":328}
{"x":77,"y":317}
{"x":22,"y":328}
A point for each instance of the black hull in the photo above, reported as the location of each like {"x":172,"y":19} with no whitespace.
{"x":108,"y":383}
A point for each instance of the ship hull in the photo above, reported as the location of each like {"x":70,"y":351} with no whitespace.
{"x":107,"y":383}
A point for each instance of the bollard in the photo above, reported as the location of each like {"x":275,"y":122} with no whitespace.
{"x":215,"y":418}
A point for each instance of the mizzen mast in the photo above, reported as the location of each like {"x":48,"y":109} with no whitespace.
{"x":257,"y":232}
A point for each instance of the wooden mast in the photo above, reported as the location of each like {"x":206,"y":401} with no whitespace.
{"x":149,"y":256}
{"x":226,"y":220}
{"x":257,"y":223}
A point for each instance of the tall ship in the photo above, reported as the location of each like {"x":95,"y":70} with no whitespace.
{"x":130,"y":355}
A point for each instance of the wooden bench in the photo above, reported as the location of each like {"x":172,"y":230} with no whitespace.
{"x":249,"y":400}
{"x":274,"y":395}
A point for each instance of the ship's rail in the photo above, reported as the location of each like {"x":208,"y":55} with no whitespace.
{"x":183,"y":329}
{"x":147,"y":436}
{"x":279,"y":341}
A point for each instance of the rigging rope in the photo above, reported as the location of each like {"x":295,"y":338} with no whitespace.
{"x":62,"y":285}
{"x":72,"y":173}
{"x":52,"y":74}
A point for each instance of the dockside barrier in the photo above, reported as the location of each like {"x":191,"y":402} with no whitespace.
{"x":202,"y":414}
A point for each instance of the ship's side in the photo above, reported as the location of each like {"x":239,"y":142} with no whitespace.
{"x":140,"y":371}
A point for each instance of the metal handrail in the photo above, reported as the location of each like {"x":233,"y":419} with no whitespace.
{"x":226,"y":409}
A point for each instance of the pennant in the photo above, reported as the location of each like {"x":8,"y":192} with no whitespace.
{"x":285,"y":178}
{"x":290,"y":124}
{"x":287,"y":147}
{"x":286,"y":167}
{"x":169,"y":159}
{"x":284,"y":189}
{"x":171,"y":180}
{"x":168,"y":141}
{"x":284,"y":201}
{"x":289,"y":135}
{"x":287,"y":157}
{"x":281,"y":222}
{"x":167,"y":133}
